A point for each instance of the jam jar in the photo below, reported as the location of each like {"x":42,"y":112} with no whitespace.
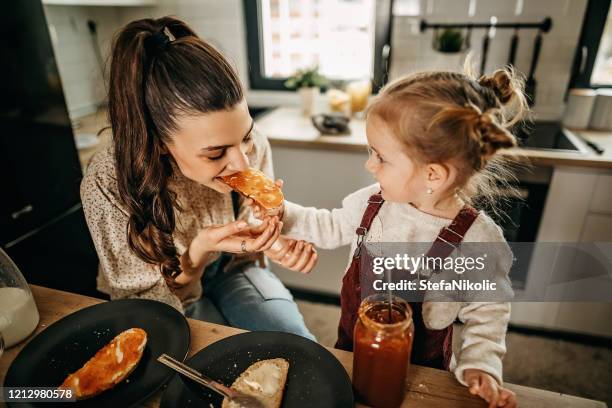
{"x":381,"y":350}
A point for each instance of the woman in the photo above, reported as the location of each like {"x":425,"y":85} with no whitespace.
{"x":164,"y":226}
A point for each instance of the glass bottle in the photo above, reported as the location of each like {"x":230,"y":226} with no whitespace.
{"x":18,"y":313}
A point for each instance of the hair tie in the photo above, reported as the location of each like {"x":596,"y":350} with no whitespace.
{"x":157,"y":42}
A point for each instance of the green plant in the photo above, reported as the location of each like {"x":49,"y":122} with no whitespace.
{"x":449,"y":40}
{"x":306,"y":78}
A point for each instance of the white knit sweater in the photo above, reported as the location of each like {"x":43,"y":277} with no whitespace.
{"x":482,"y":344}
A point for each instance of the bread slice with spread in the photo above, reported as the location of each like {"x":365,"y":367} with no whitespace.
{"x":264,"y":380}
{"x":111,"y":365}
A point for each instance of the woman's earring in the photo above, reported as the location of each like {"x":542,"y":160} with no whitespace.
{"x":429,"y":191}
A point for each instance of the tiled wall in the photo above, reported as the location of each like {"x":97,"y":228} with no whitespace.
{"x":81,"y":76}
{"x":222,"y":23}
{"x":412,"y":50}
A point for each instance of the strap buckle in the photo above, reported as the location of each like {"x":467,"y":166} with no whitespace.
{"x":361,"y":234}
{"x":454,"y":232}
{"x":452,"y":245}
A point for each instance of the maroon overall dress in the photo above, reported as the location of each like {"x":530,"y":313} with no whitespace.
{"x":432,"y":348}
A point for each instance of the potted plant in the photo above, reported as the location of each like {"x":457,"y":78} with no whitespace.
{"x":449,"y":41}
{"x":308,"y":83}
{"x":451,"y":46}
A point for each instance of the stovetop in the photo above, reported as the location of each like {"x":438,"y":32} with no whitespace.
{"x":546,"y":136}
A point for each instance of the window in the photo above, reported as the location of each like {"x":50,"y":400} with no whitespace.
{"x":593,"y":61}
{"x":344,"y":38}
{"x":602,"y":71}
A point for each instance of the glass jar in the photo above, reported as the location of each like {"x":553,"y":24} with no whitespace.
{"x":359,"y":93}
{"x":382,"y":344}
{"x":18,"y":313}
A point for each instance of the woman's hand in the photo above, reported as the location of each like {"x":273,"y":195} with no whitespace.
{"x":238,"y":237}
{"x":486,"y":387}
{"x":260,"y":213}
{"x":299,"y":256}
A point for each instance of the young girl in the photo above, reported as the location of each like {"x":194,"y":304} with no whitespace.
{"x":433,"y":139}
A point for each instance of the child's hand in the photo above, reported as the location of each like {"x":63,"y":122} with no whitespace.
{"x":299,"y":256}
{"x":261,"y":213}
{"x":484,"y":385}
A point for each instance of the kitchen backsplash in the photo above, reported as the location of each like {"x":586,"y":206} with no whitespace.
{"x":412,"y":50}
{"x":222,"y":23}
{"x":79,"y":69}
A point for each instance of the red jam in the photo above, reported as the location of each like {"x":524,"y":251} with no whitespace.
{"x":382,"y":347}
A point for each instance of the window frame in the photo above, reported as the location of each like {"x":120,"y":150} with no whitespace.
{"x":257,"y":81}
{"x":593,"y":26}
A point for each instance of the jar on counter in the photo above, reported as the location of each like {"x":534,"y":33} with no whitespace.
{"x":381,"y":351}
{"x":580,"y":103}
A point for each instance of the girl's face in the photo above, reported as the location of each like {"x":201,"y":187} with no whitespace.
{"x":400,"y":178}
{"x":212,"y":145}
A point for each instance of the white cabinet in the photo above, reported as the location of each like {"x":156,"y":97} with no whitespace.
{"x":578,"y":209}
{"x":602,"y":197}
{"x":597,"y":228}
{"x":320,"y":178}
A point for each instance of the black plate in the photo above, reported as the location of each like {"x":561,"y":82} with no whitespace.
{"x":66,"y":345}
{"x":316,"y":377}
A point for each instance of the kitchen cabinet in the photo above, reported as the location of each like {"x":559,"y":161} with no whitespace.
{"x":321,"y":179}
{"x":602,"y":196}
{"x":578,"y":209}
{"x":42,"y":226}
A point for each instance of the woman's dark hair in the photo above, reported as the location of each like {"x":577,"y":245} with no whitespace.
{"x":160,"y":70}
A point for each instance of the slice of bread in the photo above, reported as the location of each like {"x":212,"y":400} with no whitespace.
{"x":254,"y":184}
{"x":111,"y":365}
{"x":265,"y":380}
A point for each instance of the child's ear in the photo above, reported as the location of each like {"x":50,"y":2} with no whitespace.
{"x":437,"y":175}
{"x":440,"y":176}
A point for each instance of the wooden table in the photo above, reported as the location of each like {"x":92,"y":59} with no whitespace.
{"x":426,"y":387}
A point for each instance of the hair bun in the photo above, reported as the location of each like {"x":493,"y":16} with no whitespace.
{"x":501,"y":84}
{"x":492,"y":136}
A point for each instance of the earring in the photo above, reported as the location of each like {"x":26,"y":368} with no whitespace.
{"x":429,"y":191}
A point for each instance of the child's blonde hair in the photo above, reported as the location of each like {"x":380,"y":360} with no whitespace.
{"x":453,"y":118}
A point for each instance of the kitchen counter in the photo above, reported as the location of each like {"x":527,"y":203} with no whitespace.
{"x":286,"y":127}
{"x":426,"y":387}
{"x":93,"y":123}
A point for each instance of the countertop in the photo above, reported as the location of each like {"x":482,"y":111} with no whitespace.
{"x":286,"y":127}
{"x":425,"y":387}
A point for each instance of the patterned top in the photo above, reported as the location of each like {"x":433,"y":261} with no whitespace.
{"x":121,"y":273}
